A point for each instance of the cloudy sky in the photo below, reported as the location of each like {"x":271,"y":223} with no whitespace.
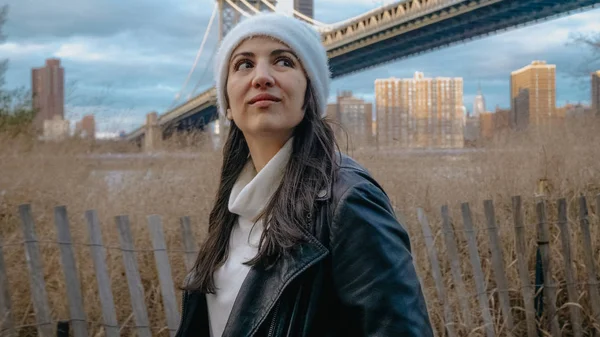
{"x":123,"y":59}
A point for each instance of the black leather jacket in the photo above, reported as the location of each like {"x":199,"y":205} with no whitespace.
{"x":354,"y":275}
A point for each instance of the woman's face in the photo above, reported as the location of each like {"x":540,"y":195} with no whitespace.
{"x":266,"y":85}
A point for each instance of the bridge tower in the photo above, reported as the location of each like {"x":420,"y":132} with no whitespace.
{"x":229,"y":16}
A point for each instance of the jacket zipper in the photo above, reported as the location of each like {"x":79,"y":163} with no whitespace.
{"x":183,"y":307}
{"x":272,"y":327}
{"x":276,"y":311}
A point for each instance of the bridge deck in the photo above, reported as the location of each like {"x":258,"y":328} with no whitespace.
{"x":401,"y":30}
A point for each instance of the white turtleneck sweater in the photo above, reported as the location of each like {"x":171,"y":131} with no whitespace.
{"x":249,"y":196}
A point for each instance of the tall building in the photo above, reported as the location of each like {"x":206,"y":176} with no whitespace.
{"x":355,"y":119}
{"x":420,"y":112}
{"x":86,"y":128}
{"x":486,"y":129}
{"x":501,"y":119}
{"x":305,"y":7}
{"x":596,"y":93}
{"x":48,"y":91}
{"x":478,"y":104}
{"x":533,"y":95}
{"x":472,"y":130}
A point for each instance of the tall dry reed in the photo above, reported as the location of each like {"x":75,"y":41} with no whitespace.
{"x":114,"y":179}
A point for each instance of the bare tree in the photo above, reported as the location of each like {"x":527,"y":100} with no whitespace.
{"x":16,"y":112}
{"x":589,"y":44}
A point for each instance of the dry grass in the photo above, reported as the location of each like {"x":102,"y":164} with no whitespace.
{"x":183,"y":180}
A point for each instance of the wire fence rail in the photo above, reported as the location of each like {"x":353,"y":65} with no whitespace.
{"x":498,"y":312}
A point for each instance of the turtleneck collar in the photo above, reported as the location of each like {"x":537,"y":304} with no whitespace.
{"x":252,"y":191}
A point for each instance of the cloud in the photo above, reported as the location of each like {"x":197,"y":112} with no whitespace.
{"x":106,"y":135}
{"x":36,"y":19}
{"x":131,"y":57}
{"x":80,"y":52}
{"x":12,"y":49}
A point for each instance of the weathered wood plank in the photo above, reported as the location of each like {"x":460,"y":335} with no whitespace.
{"x":437,"y":274}
{"x":6,"y":317}
{"x":549,"y":285}
{"x":498,"y":265}
{"x":189,"y":244}
{"x":455,"y":268}
{"x":164,"y":273}
{"x":526,"y":285}
{"x":74,"y":296}
{"x":39,"y":295}
{"x":136,"y":290}
{"x":572,"y":295}
{"x":109,"y":315}
{"x":480,"y":285}
{"x":598,"y":208}
{"x":588,"y":255}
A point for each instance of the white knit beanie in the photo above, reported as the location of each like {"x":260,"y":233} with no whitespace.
{"x":302,"y":38}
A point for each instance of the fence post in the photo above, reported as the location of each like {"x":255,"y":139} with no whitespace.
{"x":165,"y":276}
{"x":70,"y":271}
{"x":498,"y":264}
{"x":549,"y":286}
{"x":539,"y":285}
{"x":436,"y":272}
{"x":6,"y":317}
{"x":189,"y":244}
{"x":36,"y":273}
{"x":455,"y":267}
{"x":569,"y":272}
{"x":62,"y":329}
{"x":136,"y":289}
{"x":109,"y":315}
{"x":598,"y":208}
{"x":589,"y":258}
{"x":477,"y":272}
{"x":526,"y":287}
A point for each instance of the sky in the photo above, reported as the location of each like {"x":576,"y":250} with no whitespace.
{"x":123,"y":59}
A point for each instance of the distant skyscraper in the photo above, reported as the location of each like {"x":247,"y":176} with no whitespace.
{"x":47,"y":88}
{"x":305,"y":7}
{"x":420,"y":112}
{"x":596,"y":93}
{"x":478,"y":104}
{"x":533,"y":95}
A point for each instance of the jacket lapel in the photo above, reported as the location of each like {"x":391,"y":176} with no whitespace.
{"x":261,"y":288}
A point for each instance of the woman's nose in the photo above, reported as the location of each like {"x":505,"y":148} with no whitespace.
{"x":262,"y":76}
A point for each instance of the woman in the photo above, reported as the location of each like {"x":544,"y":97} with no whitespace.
{"x":301,"y":240}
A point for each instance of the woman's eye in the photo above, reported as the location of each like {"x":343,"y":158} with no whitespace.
{"x":286,"y":62}
{"x":242,"y":65}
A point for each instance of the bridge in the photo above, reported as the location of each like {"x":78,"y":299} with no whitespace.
{"x":389,"y":33}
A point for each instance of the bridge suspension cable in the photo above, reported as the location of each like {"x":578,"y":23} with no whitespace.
{"x":204,"y":38}
{"x":206,"y":66}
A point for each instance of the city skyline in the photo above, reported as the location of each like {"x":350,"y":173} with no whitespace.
{"x":142,"y":63}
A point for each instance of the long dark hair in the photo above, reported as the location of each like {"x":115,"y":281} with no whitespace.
{"x":310,"y":168}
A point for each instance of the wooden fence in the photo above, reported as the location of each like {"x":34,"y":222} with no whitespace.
{"x":453,"y":323}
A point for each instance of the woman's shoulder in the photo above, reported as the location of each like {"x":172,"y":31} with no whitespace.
{"x":351,"y":175}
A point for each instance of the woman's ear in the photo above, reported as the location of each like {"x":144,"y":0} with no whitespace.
{"x":229,"y":114}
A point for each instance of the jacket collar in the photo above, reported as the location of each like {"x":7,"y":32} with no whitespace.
{"x":262,"y":288}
